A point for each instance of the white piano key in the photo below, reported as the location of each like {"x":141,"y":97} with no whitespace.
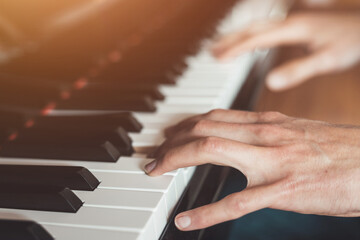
{"x":161,"y":117}
{"x":122,"y":199}
{"x":79,"y":233}
{"x":188,"y":173}
{"x":90,"y":217}
{"x":188,"y":108}
{"x":141,"y":182}
{"x":145,"y":140}
{"x":219,"y":83}
{"x":154,"y":127}
{"x":130,"y":200}
{"x":191,"y":100}
{"x":111,"y":180}
{"x":211,"y":75}
{"x":134,"y":165}
{"x":191,"y":91}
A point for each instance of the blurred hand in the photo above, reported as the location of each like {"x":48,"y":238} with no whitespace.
{"x":333,"y":40}
{"x":291,"y":164}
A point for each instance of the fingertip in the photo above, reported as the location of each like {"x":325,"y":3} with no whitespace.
{"x":277,"y":82}
{"x":182,"y":222}
{"x":149,"y":168}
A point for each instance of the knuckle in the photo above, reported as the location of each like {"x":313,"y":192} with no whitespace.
{"x":299,"y":148}
{"x":269,"y":132}
{"x":214,"y":112}
{"x":200,"y":127}
{"x":271,"y":116}
{"x":203,"y":220}
{"x":293,"y":152}
{"x":264,"y":130}
{"x":237,"y":207}
{"x":210,"y":145}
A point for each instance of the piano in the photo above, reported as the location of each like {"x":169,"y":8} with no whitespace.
{"x":86,"y":89}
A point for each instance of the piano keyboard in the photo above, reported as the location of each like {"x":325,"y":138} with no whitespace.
{"x":127,"y":204}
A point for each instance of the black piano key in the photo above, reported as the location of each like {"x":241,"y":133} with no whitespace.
{"x":105,"y":122}
{"x":12,"y":119}
{"x":85,"y":145}
{"x":10,"y":123}
{"x":113,"y":102}
{"x":103,"y":152}
{"x":38,"y":197}
{"x":19,"y":91}
{"x":22,"y":230}
{"x":75,"y":178}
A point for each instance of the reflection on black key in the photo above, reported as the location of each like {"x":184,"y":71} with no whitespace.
{"x":5,"y":133}
{"x":37,"y":197}
{"x":101,"y":121}
{"x":90,"y":145}
{"x":125,"y":102}
{"x":22,"y":230}
{"x":75,"y":178}
{"x":9,"y":123}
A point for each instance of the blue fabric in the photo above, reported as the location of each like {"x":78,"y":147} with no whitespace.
{"x":272,"y":224}
{"x":269,"y":224}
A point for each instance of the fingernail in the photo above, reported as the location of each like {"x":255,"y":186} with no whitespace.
{"x":150,"y":166}
{"x":183,"y":222}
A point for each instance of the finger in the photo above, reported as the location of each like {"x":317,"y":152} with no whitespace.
{"x":233,"y":38}
{"x":231,"y":207}
{"x":253,"y":134}
{"x":301,"y":70}
{"x":229,"y":116}
{"x":218,"y":151}
{"x":285,"y":33}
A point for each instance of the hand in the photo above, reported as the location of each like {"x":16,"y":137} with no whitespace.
{"x":291,"y":164}
{"x":333,"y":39}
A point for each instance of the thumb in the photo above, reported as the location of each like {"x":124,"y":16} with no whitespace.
{"x":231,"y":207}
{"x":300,"y":70}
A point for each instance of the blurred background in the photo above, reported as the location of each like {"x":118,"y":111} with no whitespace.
{"x":334,"y":98}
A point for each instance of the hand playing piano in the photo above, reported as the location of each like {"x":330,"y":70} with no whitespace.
{"x":332,"y":38}
{"x":291,"y":164}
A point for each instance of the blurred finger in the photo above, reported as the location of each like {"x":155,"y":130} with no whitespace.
{"x":285,"y":33}
{"x":233,"y":38}
{"x":298,"y":71}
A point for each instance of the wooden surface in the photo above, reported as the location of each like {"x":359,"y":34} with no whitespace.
{"x":334,"y":98}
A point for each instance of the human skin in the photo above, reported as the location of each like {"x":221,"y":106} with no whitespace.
{"x":291,"y":164}
{"x":333,"y":40}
